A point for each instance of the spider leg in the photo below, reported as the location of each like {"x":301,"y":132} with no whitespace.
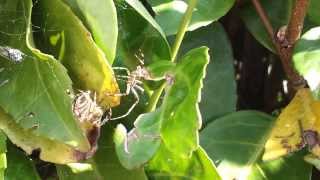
{"x":122,"y":76}
{"x":120,"y":94}
{"x":134,"y":92}
{"x":120,"y":79}
{"x":107,"y":118}
{"x":123,"y":69}
{"x":138,"y":87}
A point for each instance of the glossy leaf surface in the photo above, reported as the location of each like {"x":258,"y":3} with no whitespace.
{"x":235,"y":143}
{"x":139,"y":145}
{"x":171,"y":166}
{"x":205,"y":13}
{"x":306,"y":59}
{"x":28,"y":141}
{"x":36,"y":86}
{"x":3,"y":156}
{"x":69,"y":41}
{"x":140,"y":37}
{"x":177,"y":116}
{"x":101,"y":18}
{"x":219,"y":84}
{"x":278,"y":12}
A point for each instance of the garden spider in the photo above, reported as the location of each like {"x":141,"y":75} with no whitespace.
{"x":85,"y":108}
{"x":133,"y":85}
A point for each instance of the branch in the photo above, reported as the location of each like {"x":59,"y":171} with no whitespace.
{"x":295,"y":26}
{"x":284,"y":41}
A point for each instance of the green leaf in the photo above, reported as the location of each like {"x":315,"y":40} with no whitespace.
{"x":158,"y":70}
{"x":138,"y":6}
{"x":313,"y":11}
{"x":197,"y":166}
{"x":34,"y":89}
{"x":292,"y":167}
{"x":28,"y":141}
{"x":306,"y":58}
{"x":66,"y":38}
{"x":103,"y":165}
{"x":278,"y":12}
{"x":180,"y":111}
{"x":177,"y":116}
{"x":312,"y":159}
{"x":140,"y":37}
{"x":236,"y":141}
{"x":219,"y":84}
{"x":3,"y":156}
{"x":139,"y":145}
{"x":19,"y":166}
{"x":101,"y":18}
{"x":205,"y":13}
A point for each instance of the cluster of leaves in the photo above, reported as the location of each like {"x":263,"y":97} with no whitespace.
{"x":71,"y":45}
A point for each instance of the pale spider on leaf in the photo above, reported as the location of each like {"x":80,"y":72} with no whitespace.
{"x":133,"y":85}
{"x":86,"y":109}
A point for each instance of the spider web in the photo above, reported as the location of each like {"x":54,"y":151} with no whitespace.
{"x":14,"y":25}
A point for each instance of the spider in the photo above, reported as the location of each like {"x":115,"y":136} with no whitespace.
{"x":86,"y":109}
{"x":12,"y":54}
{"x":133,"y":85}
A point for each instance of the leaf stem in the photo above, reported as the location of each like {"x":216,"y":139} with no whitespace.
{"x":183,"y":28}
{"x":175,"y":49}
{"x":264,"y":18}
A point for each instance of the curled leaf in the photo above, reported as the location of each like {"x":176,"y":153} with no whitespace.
{"x":68,"y":39}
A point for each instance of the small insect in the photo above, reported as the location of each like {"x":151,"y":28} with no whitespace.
{"x":86,"y":109}
{"x":14,"y":55}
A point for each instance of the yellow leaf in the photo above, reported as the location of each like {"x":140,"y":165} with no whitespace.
{"x":297,"y":125}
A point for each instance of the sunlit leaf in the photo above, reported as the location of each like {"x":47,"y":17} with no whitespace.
{"x":172,"y":166}
{"x":36,"y":87}
{"x":19,"y":162}
{"x":180,"y":113}
{"x":205,"y":13}
{"x":236,"y":142}
{"x":103,"y":165}
{"x":101,"y":18}
{"x":50,"y":150}
{"x":278,"y":12}
{"x":297,"y":126}
{"x":69,"y":41}
{"x":306,"y":58}
{"x":177,"y":116}
{"x":158,"y":70}
{"x":139,"y":145}
{"x":312,"y":159}
{"x":292,"y":167}
{"x":219,"y":84}
{"x":3,"y":156}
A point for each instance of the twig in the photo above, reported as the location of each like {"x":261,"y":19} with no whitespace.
{"x":296,"y":21}
{"x":292,"y":33}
